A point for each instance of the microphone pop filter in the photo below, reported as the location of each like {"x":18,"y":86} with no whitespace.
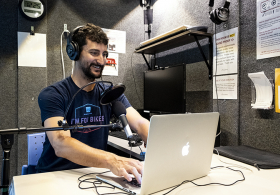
{"x":112,"y":94}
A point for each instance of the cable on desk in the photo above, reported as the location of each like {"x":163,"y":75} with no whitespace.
{"x":234,"y":165}
{"x":96,"y":182}
{"x":140,"y":149}
{"x":217,"y":101}
{"x":191,"y":181}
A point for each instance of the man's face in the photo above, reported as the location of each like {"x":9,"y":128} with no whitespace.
{"x":92,"y":59}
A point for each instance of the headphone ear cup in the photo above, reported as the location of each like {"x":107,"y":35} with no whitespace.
{"x":73,"y":51}
{"x":223,"y":14}
{"x":213,"y":17}
{"x":219,"y":15}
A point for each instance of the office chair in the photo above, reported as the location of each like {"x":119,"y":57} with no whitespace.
{"x":35,"y":147}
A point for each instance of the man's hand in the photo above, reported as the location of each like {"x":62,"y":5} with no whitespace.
{"x":121,"y":166}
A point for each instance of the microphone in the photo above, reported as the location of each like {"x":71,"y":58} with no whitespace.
{"x":111,"y":94}
{"x":120,"y":112}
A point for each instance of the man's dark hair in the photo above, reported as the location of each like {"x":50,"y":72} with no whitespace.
{"x":91,"y":32}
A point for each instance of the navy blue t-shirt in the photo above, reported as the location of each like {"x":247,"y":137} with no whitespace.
{"x":85,"y":109}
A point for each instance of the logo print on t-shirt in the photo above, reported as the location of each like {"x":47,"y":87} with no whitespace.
{"x":88,"y":114}
{"x":88,"y":110}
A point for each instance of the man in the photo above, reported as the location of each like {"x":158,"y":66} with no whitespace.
{"x":67,"y":149}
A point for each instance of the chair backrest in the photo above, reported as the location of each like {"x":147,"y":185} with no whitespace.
{"x":35,"y":147}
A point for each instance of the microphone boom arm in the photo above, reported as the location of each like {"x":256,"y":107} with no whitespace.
{"x":7,"y":140}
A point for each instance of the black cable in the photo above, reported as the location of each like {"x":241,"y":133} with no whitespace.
{"x":96,"y":182}
{"x":216,"y":69}
{"x":217,"y":101}
{"x":79,"y":91}
{"x":134,"y":79}
{"x":191,"y":181}
{"x":140,"y":149}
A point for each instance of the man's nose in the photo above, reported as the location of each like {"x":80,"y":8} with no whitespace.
{"x":101,"y":59}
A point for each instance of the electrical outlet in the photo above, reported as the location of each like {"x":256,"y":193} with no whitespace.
{"x":65,"y":27}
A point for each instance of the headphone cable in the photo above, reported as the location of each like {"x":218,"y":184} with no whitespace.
{"x":61,"y":53}
{"x":216,"y":70}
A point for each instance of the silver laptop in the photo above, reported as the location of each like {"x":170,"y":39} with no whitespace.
{"x":179,"y":148}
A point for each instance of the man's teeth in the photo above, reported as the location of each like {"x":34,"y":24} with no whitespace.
{"x":96,"y":66}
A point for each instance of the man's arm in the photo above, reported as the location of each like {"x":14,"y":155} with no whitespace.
{"x":69,"y":148}
{"x":138,"y":123}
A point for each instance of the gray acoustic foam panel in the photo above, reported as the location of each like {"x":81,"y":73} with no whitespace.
{"x":8,"y":74}
{"x":258,"y":128}
{"x":31,"y":80}
{"x":198,"y":88}
{"x":228,"y":109}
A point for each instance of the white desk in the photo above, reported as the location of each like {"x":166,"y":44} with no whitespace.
{"x":66,"y":182}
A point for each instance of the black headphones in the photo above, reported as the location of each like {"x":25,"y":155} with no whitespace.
{"x":72,"y":48}
{"x":221,"y":14}
{"x":145,"y":3}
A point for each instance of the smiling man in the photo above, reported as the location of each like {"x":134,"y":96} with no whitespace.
{"x":87,"y":148}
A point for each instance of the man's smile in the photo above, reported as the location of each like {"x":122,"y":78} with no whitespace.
{"x":97,"y":67}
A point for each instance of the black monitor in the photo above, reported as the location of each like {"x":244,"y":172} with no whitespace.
{"x":165,"y":90}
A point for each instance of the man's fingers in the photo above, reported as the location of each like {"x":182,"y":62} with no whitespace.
{"x":136,"y":174}
{"x":133,"y":171}
{"x":125,"y":174}
{"x":139,"y":167}
{"x":125,"y":167}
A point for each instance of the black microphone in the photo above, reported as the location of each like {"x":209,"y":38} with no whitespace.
{"x":119,"y":111}
{"x":112,"y":93}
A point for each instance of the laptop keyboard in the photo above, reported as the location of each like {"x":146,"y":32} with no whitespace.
{"x":133,"y":182}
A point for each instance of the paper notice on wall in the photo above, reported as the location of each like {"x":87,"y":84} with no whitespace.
{"x":225,"y":87}
{"x":268,"y":28}
{"x":263,"y":88}
{"x":227,"y":44}
{"x":32,"y":50}
{"x":277,"y":90}
{"x":117,"y":40}
{"x":111,"y":67}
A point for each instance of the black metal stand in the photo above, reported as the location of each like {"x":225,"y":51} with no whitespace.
{"x":7,"y":141}
{"x":177,"y":40}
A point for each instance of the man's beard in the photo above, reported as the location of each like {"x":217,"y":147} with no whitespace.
{"x":88,"y":73}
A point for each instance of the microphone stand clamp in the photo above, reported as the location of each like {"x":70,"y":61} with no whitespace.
{"x":63,"y":124}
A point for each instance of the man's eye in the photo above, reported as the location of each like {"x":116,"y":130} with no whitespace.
{"x":94,"y":53}
{"x":105,"y":55}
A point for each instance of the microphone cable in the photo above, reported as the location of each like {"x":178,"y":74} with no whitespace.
{"x":94,"y":82}
{"x":96,"y":183}
{"x":217,"y":100}
{"x":134,"y":78}
{"x":216,"y":68}
{"x":214,"y":183}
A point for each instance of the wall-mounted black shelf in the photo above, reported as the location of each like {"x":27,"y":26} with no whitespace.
{"x":177,"y":40}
